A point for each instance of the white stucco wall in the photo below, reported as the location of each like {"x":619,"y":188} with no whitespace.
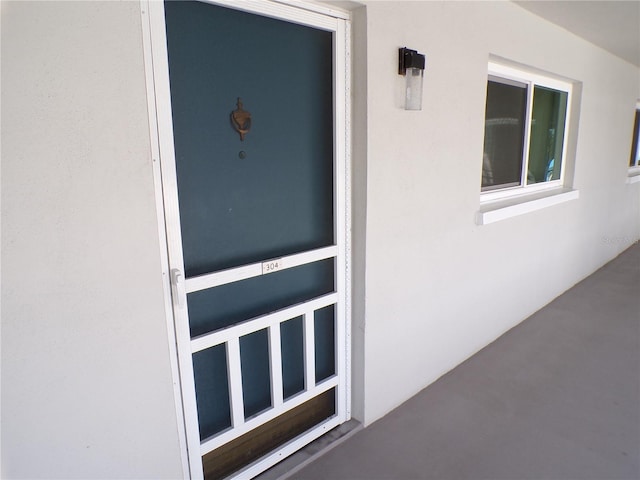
{"x":87,"y":390}
{"x":437,"y":286}
{"x":86,"y":380}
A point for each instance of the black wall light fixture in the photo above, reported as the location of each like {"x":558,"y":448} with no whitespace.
{"x":411,"y":65}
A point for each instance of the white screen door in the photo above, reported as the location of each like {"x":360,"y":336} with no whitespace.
{"x":251,"y":123}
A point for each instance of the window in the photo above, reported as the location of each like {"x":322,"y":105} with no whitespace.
{"x":525,"y":132}
{"x":634,"y":161}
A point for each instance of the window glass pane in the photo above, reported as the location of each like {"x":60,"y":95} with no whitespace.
{"x":547,"y":135}
{"x":503,"y":134}
{"x":635,"y":146}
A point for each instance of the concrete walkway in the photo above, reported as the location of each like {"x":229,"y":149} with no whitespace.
{"x":557,"y":397}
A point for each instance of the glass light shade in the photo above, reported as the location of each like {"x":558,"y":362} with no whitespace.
{"x":413,"y":89}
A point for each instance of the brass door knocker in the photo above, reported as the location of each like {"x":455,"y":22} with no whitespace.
{"x":241,"y":120}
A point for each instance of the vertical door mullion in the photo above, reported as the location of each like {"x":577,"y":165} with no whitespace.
{"x":275,"y":353}
{"x":235,"y":382}
{"x":309,"y":351}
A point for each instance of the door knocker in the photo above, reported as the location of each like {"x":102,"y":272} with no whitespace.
{"x":241,"y":120}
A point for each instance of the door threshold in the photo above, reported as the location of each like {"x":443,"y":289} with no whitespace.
{"x":311,"y":452}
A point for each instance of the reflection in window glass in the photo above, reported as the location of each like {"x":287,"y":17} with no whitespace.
{"x":547,"y":135}
{"x":504,"y":134}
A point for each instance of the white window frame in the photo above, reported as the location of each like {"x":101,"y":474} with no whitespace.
{"x":531,"y":79}
{"x":634,"y":170}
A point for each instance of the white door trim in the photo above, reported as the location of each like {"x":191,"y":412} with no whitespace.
{"x":154,"y":121}
{"x":162,"y":149}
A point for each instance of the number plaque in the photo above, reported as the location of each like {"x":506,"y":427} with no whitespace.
{"x":271,"y":266}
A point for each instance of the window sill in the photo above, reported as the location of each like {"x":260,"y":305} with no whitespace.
{"x":497,"y":210}
{"x":634,"y":175}
{"x":633,"y":179}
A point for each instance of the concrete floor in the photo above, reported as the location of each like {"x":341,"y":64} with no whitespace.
{"x":557,"y":397}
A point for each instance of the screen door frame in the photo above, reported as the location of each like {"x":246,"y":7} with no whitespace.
{"x":164,"y":168}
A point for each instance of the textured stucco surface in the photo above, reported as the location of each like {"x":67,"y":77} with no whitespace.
{"x":87,"y":390}
{"x":438,"y":287}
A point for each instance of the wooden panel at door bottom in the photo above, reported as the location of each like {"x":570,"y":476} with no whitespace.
{"x":263,"y":439}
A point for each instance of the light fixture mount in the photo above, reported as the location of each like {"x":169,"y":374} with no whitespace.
{"x":408,"y":58}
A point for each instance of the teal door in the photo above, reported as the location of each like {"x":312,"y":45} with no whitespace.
{"x":253,"y":120}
